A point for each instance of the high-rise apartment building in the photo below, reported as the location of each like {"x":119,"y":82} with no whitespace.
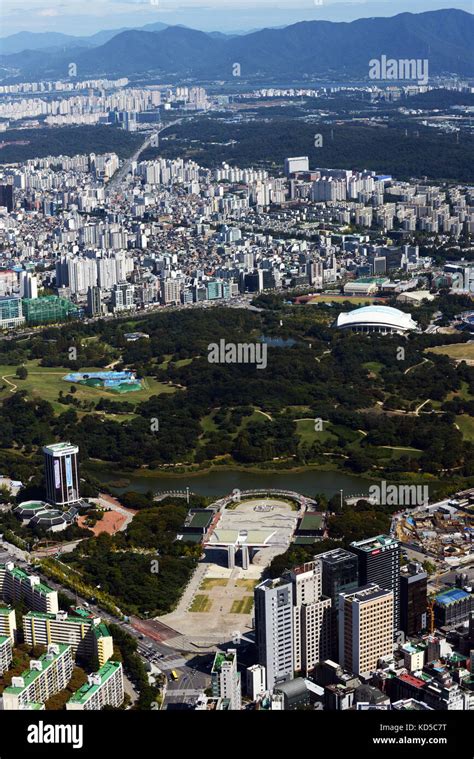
{"x":47,"y":676}
{"x":8,"y":622}
{"x":28,"y":285}
{"x":311,"y":616}
{"x":6,"y":653}
{"x":87,"y":635}
{"x":340,"y":574}
{"x":379,"y":562}
{"x":6,"y":196}
{"x":103,"y":688}
{"x":274,"y":630}
{"x":413,"y":598}
{"x":122,"y":296}
{"x":225,"y":678}
{"x":17,"y":585}
{"x":94,"y":301}
{"x":365,"y":628}
{"x":62,"y":473}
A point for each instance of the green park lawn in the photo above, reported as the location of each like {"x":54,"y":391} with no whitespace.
{"x":213,"y":582}
{"x":201,"y":603}
{"x":458,"y":351}
{"x":242,"y":606}
{"x":466,"y":425}
{"x":47,"y":382}
{"x":305,"y":429}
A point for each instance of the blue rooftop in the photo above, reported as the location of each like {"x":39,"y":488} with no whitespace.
{"x":451,"y":596}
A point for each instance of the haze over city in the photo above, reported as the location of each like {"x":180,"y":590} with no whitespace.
{"x":79,"y":18}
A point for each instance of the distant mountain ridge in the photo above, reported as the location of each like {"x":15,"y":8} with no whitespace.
{"x":307,"y":48}
{"x":21,"y":41}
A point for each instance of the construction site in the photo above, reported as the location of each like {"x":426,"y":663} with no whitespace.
{"x":442,"y":531}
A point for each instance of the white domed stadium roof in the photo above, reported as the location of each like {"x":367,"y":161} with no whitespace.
{"x":383,"y":318}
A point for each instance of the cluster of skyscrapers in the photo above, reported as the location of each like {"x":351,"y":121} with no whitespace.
{"x":344,"y":605}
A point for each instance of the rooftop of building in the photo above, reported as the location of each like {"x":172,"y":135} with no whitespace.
{"x":366,"y":593}
{"x":375,"y":543}
{"x":311,"y":522}
{"x":272,"y":583}
{"x":220,"y":658}
{"x":337,"y":555}
{"x":417,"y":682}
{"x":30,"y":675}
{"x":32,"y":506}
{"x":56,"y":448}
{"x":451,"y":596}
{"x":99,"y":629}
{"x":200,"y":518}
{"x":87,"y":690}
{"x":411,"y":704}
{"x":294,"y":687}
{"x":20,"y":574}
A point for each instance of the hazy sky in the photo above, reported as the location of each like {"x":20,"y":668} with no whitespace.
{"x":89,"y":16}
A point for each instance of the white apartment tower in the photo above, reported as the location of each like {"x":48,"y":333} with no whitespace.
{"x":311,"y":616}
{"x":274,"y":630}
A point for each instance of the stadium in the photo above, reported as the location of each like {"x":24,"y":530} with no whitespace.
{"x":376,"y":319}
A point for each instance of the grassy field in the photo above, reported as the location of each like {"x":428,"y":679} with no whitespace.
{"x":46,"y":383}
{"x":201,"y":603}
{"x":373,"y":366}
{"x":458,"y":351}
{"x":213,"y":582}
{"x":463,"y":393}
{"x":305,"y":429}
{"x":248,"y":584}
{"x":242,"y":605}
{"x":466,"y":425}
{"x":394,"y":452}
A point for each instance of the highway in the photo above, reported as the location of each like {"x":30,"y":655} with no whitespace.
{"x":124,"y":169}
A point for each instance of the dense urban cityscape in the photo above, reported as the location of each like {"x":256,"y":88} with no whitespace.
{"x":237,"y":374}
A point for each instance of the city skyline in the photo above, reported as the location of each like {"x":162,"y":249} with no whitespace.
{"x":237,"y":367}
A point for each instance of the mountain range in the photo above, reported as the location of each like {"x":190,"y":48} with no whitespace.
{"x":310,"y":48}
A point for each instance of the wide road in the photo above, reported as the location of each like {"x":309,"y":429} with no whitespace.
{"x":122,"y":172}
{"x":149,"y":635}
